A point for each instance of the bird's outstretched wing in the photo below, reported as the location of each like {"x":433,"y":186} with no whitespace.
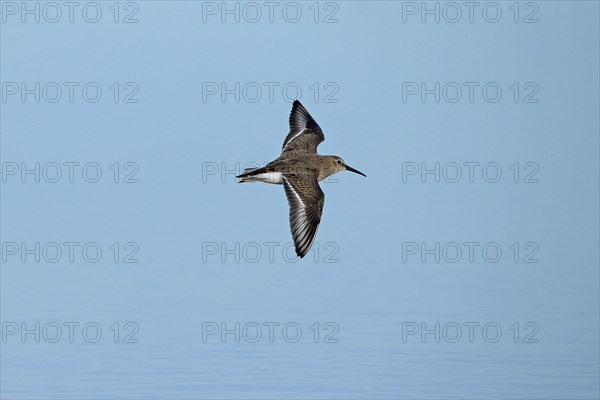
{"x":306,"y":207}
{"x":305,"y":133}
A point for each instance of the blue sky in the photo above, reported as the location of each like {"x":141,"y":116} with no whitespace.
{"x":173,"y":99}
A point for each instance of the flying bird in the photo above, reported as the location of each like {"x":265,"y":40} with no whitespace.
{"x":299,"y":168}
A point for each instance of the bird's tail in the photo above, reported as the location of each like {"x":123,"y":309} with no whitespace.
{"x":260,"y":175}
{"x":249,"y":174}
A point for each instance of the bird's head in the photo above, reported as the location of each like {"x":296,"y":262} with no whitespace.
{"x":335,"y":164}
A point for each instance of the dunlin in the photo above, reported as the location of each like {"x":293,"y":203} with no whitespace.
{"x":299,"y":168}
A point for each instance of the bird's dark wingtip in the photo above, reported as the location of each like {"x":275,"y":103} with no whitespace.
{"x":297,"y":105}
{"x":300,"y":255}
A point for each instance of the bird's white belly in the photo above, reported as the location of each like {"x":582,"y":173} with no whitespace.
{"x":269,"y":177}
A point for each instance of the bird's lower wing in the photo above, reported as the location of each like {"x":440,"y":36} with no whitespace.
{"x":306,"y":201}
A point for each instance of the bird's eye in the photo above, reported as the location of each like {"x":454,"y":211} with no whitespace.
{"x":339,"y":161}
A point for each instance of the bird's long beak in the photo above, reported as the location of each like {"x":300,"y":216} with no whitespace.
{"x":349,"y":168}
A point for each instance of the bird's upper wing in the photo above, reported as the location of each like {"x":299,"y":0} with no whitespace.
{"x":306,"y":207}
{"x":305,"y":133}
